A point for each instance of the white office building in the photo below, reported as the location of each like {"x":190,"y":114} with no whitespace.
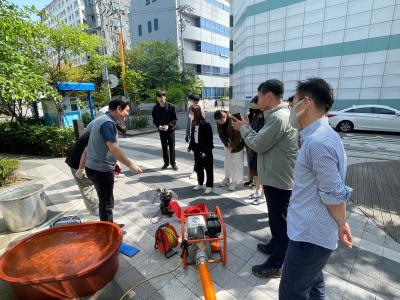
{"x":103,"y":17}
{"x":354,"y":45}
{"x":205,"y":36}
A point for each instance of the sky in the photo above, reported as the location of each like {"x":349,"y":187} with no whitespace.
{"x":39,"y":4}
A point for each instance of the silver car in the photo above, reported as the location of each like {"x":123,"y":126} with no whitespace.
{"x":365,"y":117}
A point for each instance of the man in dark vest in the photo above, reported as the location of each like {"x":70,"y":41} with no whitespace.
{"x":164,"y":118}
{"x":102,"y":154}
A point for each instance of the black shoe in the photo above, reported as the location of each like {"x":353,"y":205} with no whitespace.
{"x":264,"y":271}
{"x":164,"y":167}
{"x":248,"y":183}
{"x":121,"y":225}
{"x":174,"y":167}
{"x":265,"y":248}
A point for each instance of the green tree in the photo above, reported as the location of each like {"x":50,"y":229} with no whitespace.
{"x":158,"y":62}
{"x":33,"y":57}
{"x":135,"y":80}
{"x":21,"y":47}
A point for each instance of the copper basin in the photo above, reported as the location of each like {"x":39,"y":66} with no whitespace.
{"x":63,"y":262}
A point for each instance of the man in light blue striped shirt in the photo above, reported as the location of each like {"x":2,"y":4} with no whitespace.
{"x":317,"y":208}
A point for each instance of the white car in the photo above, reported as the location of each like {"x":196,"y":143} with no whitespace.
{"x":365,"y":117}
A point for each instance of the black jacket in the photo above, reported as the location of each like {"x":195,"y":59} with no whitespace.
{"x":205,"y":142}
{"x":164,"y":116}
{"x":229,"y":136}
{"x":74,"y":157}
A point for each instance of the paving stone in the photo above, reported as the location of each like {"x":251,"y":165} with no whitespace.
{"x":387,"y":291}
{"x":371,"y":247}
{"x":339,"y":270}
{"x":234,"y":263}
{"x":389,"y":272}
{"x":176,"y":290}
{"x":374,"y":237}
{"x":391,"y":244}
{"x":353,"y":292}
{"x":235,"y":281}
{"x":366,"y":282}
{"x":391,"y":254}
{"x":261,"y":292}
{"x":334,"y":286}
{"x":367,"y":263}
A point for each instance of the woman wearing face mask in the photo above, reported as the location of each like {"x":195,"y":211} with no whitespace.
{"x":201,"y":143}
{"x":256,"y":119}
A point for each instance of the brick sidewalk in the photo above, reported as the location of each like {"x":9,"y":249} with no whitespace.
{"x":370,"y":271}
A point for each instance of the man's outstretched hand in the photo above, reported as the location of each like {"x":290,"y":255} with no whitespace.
{"x":134,"y":168}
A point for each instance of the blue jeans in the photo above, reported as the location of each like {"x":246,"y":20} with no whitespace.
{"x":302,"y":276}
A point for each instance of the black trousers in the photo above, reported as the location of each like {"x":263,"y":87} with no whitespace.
{"x":168,"y":143}
{"x":277,"y":203}
{"x":104,"y":184}
{"x":202,"y":164}
{"x":302,"y":276}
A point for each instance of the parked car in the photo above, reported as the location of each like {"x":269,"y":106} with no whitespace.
{"x":365,"y":117}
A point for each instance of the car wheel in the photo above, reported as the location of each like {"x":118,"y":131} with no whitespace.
{"x":345,"y":126}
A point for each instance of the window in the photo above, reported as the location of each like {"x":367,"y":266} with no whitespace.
{"x":383,"y":111}
{"x":147,"y":2}
{"x":362,"y":110}
{"x":149,"y":27}
{"x":155,"y":24}
{"x":139,"y":30}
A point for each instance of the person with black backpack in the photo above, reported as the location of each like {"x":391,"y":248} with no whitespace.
{"x":76,"y":162}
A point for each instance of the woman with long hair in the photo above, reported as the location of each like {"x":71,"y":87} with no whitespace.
{"x":201,"y":143}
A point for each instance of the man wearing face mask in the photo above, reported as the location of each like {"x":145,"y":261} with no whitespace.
{"x":276,"y":147}
{"x":317,"y":212}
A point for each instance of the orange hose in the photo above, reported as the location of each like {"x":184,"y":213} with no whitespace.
{"x":206,"y":281}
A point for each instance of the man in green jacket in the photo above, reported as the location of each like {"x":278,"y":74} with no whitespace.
{"x":233,"y":150}
{"x":276,"y":146}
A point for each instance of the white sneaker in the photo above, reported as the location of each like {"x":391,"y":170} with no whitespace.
{"x":232,"y":186}
{"x":197,"y":187}
{"x":208,"y":190}
{"x":224,"y":182}
{"x":193,"y":175}
{"x":258,"y":201}
{"x":253,"y":196}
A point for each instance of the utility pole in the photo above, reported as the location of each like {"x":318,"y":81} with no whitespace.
{"x":185,"y":9}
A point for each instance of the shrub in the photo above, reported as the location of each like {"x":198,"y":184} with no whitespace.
{"x":35,"y":139}
{"x":86,"y":118}
{"x":7,"y":170}
{"x":136,"y":122}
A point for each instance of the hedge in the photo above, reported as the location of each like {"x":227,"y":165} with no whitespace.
{"x":7,"y":170}
{"x":136,"y":122}
{"x":35,"y":139}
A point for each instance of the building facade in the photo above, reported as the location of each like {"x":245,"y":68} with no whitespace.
{"x":354,"y":45}
{"x":204,"y":34}
{"x":103,"y":17}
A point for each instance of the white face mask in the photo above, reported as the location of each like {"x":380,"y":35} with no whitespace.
{"x":294,"y":116}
